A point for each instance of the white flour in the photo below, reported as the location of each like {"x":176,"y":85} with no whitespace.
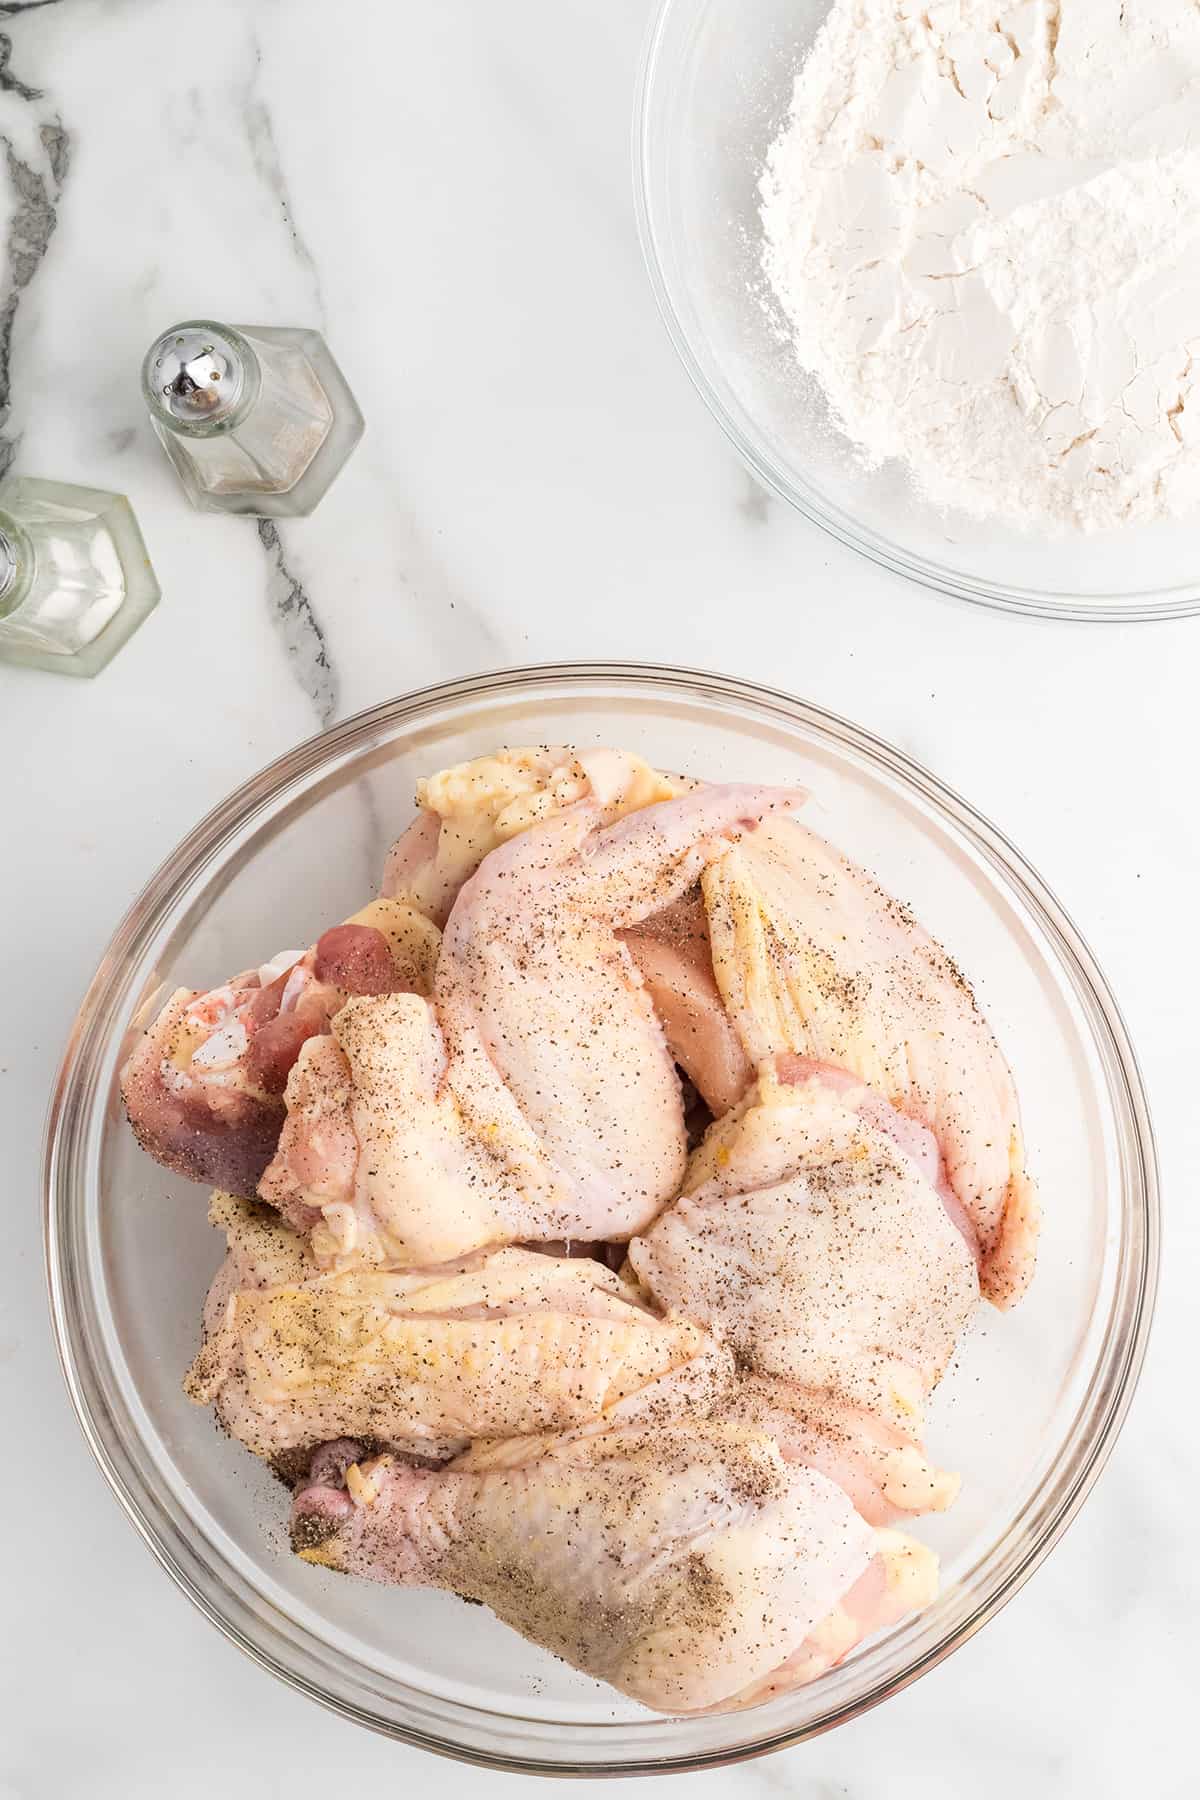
{"x":983,"y":223}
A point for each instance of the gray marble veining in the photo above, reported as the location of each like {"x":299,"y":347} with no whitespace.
{"x":37,"y":154}
{"x":264,"y":152}
{"x":298,"y":627}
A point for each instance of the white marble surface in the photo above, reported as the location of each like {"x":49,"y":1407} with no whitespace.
{"x":445,"y":189}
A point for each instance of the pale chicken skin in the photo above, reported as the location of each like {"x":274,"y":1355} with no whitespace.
{"x":690,"y":1565}
{"x":204,"y":1088}
{"x":544,"y":1013}
{"x":379,"y":1161}
{"x":536,"y":1098}
{"x":468,"y":810}
{"x":500,"y":1344}
{"x":882,"y":1467}
{"x":810,"y":1236}
{"x":813,"y":957}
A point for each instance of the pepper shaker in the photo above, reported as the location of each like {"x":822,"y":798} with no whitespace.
{"x":75,"y":580}
{"x":256,"y":418}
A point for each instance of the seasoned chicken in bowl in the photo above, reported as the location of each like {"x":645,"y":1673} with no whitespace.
{"x":616,"y":1259}
{"x":575,"y":1447}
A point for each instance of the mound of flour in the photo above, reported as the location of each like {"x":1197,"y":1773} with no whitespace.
{"x":983,"y":224}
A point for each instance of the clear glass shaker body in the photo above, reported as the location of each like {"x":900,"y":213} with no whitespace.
{"x":256,"y":419}
{"x":75,"y":580}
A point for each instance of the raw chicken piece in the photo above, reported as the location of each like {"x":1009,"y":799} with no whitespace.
{"x":212,"y":1125}
{"x":539,"y":1100}
{"x":378,"y":1160}
{"x":882,"y":1468}
{"x":674,"y":956}
{"x":689,"y":1565}
{"x":811,"y":1239}
{"x":501,"y":1343}
{"x":204,"y":1088}
{"x":468,"y":810}
{"x":549,"y":1028}
{"x":812,"y":956}
{"x":902,"y":1578}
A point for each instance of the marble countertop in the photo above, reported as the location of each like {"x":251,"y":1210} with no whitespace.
{"x":445,"y":190}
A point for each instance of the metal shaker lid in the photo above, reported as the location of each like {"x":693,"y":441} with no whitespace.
{"x":195,"y":374}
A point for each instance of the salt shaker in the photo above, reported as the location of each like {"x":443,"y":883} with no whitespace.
{"x":75,"y":580}
{"x":256,"y":418}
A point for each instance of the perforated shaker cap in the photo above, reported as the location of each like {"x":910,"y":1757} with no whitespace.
{"x":195,"y":374}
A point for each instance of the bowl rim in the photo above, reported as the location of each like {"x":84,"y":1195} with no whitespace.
{"x":70,"y":1100}
{"x":1117,"y":607}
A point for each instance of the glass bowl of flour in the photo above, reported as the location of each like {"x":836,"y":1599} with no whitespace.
{"x":936,"y":271}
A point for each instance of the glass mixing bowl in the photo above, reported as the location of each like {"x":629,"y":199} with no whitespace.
{"x":1028,"y":1412}
{"x":715,"y":87}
